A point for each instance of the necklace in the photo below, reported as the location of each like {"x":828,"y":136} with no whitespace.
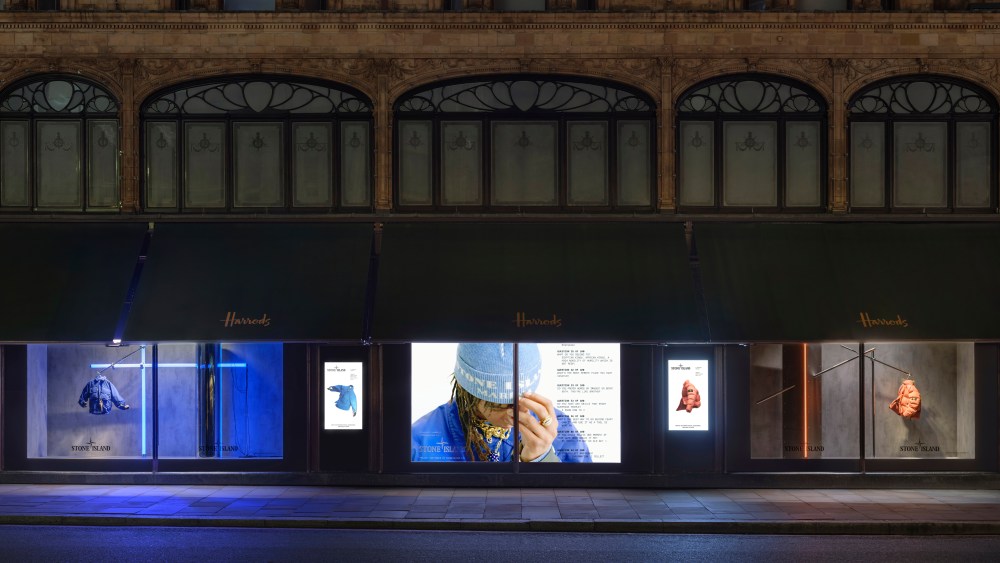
{"x":491,"y":432}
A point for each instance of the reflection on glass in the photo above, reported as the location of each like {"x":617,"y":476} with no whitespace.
{"x":560,"y":417}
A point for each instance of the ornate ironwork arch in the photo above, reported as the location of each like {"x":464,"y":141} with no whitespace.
{"x":922,"y":95}
{"x":256,"y":95}
{"x":524,"y":95}
{"x":58,"y":95}
{"x":750,"y":95}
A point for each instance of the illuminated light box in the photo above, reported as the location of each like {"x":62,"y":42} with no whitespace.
{"x":342,"y":396}
{"x":688,"y":397}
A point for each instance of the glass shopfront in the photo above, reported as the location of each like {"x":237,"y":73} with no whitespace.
{"x":919,"y":404}
{"x":167,"y":401}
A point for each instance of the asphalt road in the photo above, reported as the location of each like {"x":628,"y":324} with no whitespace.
{"x":204,"y":545}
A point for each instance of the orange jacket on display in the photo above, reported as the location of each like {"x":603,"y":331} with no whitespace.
{"x":907,"y":403}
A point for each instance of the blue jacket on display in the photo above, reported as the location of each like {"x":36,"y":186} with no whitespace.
{"x":347,"y":399}
{"x":438,"y":436}
{"x":100,"y":394}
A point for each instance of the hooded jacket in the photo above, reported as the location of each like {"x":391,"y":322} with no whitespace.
{"x":99,"y":393}
{"x":347,"y":399}
{"x":438,"y":436}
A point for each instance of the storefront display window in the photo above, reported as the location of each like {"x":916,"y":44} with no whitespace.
{"x":79,"y":407}
{"x":924,"y":400}
{"x":919,"y":401}
{"x":463,"y":402}
{"x":211,"y":401}
{"x":803,"y":401}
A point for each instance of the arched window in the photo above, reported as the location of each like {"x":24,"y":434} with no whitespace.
{"x":248,"y":144}
{"x":751,"y":143}
{"x":923,"y":144}
{"x":59,"y":146}
{"x":520,"y":143}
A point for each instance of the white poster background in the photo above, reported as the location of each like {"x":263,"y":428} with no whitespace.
{"x":341,"y":373}
{"x":679,"y":371}
{"x":582,"y":380}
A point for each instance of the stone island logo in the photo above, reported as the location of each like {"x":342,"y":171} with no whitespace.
{"x":919,"y":446}
{"x":232,"y":319}
{"x":521,"y":320}
{"x":214,"y":449}
{"x":91,"y":446}
{"x":867,"y":321}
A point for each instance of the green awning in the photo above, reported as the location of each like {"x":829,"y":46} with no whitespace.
{"x":616,"y":282}
{"x":850,"y":281}
{"x":65,"y":282}
{"x":253,"y":281}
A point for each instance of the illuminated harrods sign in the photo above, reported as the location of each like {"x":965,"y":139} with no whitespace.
{"x":232,"y":320}
{"x":521,"y":320}
{"x":867,"y":321}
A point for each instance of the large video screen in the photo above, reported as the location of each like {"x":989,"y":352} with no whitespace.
{"x":568,"y":405}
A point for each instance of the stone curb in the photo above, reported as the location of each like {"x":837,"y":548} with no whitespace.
{"x":783,"y":527}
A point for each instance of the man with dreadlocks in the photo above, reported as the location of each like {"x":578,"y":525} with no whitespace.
{"x":477,"y":423}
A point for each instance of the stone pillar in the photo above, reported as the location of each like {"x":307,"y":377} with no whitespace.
{"x":128,"y":195}
{"x":383,"y":140}
{"x":837,"y":118}
{"x":666,"y":181}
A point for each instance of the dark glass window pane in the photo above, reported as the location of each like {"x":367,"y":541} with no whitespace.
{"x":58,"y":162}
{"x":312,"y":164}
{"x":920,"y":165}
{"x":588,"y":162}
{"x":260,"y":164}
{"x":205,"y":166}
{"x":803,"y":177}
{"x":461,"y":163}
{"x":14,"y":172}
{"x":355,"y":164}
{"x":697,"y":163}
{"x":524,"y":163}
{"x":867,"y":165}
{"x":103,"y":166}
{"x":415,"y":177}
{"x":972,"y":146}
{"x":161,"y":165}
{"x":750,"y":175}
{"x":635,"y":167}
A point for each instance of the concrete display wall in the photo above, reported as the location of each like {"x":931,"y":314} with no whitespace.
{"x":71,"y":431}
{"x":944,"y":376}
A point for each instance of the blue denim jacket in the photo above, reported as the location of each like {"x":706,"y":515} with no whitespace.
{"x":100,"y":394}
{"x":438,"y":436}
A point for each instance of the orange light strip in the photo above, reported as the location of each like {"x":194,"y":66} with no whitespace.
{"x":805,"y":401}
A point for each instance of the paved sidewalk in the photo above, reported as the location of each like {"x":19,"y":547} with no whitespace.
{"x":814,"y":511}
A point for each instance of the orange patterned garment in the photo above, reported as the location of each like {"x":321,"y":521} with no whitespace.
{"x":690,"y":397}
{"x":907,"y":403}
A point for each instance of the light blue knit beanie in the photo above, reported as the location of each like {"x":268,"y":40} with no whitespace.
{"x":486,"y":370}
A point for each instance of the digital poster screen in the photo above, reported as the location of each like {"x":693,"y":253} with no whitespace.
{"x":687,"y":395}
{"x":342,"y":394}
{"x":569,"y":407}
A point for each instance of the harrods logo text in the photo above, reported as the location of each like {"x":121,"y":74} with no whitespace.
{"x":521,"y":320}
{"x":868,"y":322}
{"x":232,"y":319}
